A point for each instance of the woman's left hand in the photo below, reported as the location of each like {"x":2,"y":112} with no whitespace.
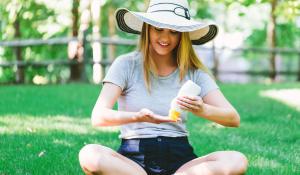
{"x":193,"y":104}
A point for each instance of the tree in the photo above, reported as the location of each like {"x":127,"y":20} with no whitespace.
{"x":287,"y":11}
{"x":272,"y":38}
{"x":17,"y":18}
{"x":75,"y":49}
{"x":278,"y":8}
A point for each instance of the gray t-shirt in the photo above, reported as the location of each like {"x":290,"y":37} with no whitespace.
{"x":127,"y":73}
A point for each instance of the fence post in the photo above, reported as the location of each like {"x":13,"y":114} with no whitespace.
{"x":20,"y":75}
{"x":216,"y":62}
{"x":84,"y":57}
{"x":97,"y":68}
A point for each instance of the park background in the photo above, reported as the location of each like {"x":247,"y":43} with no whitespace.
{"x":54,"y":54}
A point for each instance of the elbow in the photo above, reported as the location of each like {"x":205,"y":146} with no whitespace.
{"x":97,"y":120}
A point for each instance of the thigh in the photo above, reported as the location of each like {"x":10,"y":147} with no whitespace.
{"x":220,"y":162}
{"x":103,"y":160}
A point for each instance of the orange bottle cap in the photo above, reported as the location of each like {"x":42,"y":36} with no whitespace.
{"x":174,"y":115}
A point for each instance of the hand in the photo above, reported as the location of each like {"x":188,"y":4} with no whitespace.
{"x":145,"y":115}
{"x":193,"y":104}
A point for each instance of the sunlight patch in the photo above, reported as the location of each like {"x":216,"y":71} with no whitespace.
{"x":290,"y":97}
{"x":214,"y":125}
{"x":24,"y":124}
{"x":62,"y":142}
{"x":262,"y":162}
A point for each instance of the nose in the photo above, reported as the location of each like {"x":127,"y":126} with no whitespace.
{"x":165,"y":36}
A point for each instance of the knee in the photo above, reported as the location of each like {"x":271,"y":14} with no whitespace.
{"x":240,"y":161}
{"x":92,"y":157}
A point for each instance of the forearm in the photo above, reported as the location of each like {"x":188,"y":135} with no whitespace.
{"x":110,"y":117}
{"x":220,"y":115}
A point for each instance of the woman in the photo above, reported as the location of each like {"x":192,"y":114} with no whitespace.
{"x":144,"y":82}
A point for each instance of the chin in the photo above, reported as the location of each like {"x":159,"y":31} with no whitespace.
{"x":163,"y":53}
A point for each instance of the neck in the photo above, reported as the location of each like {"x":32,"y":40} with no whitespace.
{"x":165,"y":64}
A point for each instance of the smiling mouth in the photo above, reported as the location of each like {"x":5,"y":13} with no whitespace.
{"x":163,"y":44}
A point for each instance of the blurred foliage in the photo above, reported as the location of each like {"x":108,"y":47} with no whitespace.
{"x":287,"y":33}
{"x":36,"y":15}
{"x":289,"y":9}
{"x":287,"y":36}
{"x":31,"y":16}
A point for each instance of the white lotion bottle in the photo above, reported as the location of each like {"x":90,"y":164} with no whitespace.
{"x":189,"y":88}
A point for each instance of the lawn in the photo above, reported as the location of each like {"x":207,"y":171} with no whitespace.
{"x":42,"y":129}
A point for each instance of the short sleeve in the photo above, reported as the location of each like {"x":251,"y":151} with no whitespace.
{"x":206,"y":82}
{"x":118,"y":73}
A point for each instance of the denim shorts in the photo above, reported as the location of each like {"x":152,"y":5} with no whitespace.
{"x":160,"y":155}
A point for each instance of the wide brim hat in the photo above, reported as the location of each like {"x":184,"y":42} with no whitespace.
{"x":170,"y":14}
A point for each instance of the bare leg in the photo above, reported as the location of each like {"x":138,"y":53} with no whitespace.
{"x":100,"y":160}
{"x":216,"y":163}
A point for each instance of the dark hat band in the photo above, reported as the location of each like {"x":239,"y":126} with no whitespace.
{"x":122,"y":24}
{"x":212,"y":32}
{"x":176,"y":10}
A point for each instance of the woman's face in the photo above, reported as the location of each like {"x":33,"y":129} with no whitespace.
{"x":163,"y":41}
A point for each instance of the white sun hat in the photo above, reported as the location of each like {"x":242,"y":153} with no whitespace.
{"x":170,"y":14}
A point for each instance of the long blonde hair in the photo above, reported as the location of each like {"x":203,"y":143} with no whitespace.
{"x":186,"y":57}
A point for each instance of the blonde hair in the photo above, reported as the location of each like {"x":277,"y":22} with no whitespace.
{"x":186,"y":56}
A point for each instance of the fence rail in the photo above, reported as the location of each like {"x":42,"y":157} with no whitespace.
{"x":50,"y":62}
{"x":118,"y":41}
{"x":65,"y":40}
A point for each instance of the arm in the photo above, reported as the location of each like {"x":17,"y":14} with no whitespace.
{"x":214,"y":107}
{"x":104,"y":115}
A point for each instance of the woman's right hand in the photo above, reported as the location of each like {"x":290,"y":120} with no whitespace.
{"x":146,"y":115}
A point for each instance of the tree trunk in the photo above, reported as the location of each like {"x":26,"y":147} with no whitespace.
{"x":20,"y":76}
{"x":272,"y":40}
{"x":75,"y":17}
{"x":74,"y":45}
{"x":75,"y":49}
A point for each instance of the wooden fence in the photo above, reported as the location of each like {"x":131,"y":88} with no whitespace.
{"x":109,"y":41}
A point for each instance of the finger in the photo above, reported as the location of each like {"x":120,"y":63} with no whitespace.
{"x":192,"y":98}
{"x":182,"y":106}
{"x":188,"y":106}
{"x":186,"y":100}
{"x":179,"y":120}
{"x":163,"y":118}
{"x":147,"y":112}
{"x":185,"y":103}
{"x":196,"y":104}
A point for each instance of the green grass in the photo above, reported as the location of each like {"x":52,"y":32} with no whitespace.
{"x":42,"y":129}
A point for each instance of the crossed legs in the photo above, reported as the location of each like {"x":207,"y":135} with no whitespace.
{"x":216,"y":163}
{"x":100,"y":160}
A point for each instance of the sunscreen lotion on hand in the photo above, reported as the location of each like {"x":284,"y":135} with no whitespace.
{"x":189,"y":88}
